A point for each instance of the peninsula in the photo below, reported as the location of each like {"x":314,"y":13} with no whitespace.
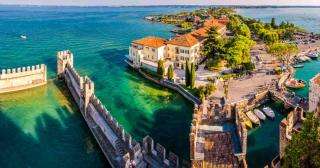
{"x":233,"y":65}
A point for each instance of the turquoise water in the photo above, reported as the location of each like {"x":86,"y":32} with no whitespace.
{"x":307,"y":18}
{"x":263,"y":141}
{"x":42,"y":127}
{"x":309,"y":70}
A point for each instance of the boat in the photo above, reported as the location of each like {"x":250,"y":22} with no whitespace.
{"x":254,"y":119}
{"x":246,"y":120}
{"x":23,"y":36}
{"x":298,"y":66}
{"x":259,"y":114}
{"x":295,"y":84}
{"x":304,"y":58}
{"x":313,"y":55}
{"x":269,"y":112}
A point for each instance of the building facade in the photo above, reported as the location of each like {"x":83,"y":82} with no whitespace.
{"x":314,"y":93}
{"x":146,"y":52}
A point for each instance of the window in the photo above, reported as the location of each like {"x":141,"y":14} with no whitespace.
{"x":187,"y":51}
{"x":181,"y":51}
{"x":153,"y":50}
{"x":177,"y":50}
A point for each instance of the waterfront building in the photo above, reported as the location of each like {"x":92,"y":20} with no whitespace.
{"x":314,"y":93}
{"x":146,"y":52}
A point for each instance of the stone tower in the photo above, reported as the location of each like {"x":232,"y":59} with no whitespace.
{"x":87,"y":93}
{"x":64,"y":58}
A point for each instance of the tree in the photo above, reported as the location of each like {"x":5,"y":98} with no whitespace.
{"x":238,"y":52}
{"x":283,"y":51}
{"x":170,"y":72}
{"x":213,"y":44}
{"x":303,"y":151}
{"x":273,"y":23}
{"x":161,"y":69}
{"x":244,"y":30}
{"x":187,"y":74}
{"x":192,"y":75}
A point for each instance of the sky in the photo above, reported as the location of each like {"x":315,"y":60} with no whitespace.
{"x":159,"y":2}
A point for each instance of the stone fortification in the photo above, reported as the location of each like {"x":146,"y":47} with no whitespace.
{"x":22,"y":78}
{"x":118,"y":146}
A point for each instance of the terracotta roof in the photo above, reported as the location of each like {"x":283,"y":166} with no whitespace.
{"x":151,"y":41}
{"x":214,"y":23}
{"x":187,"y":40}
{"x":316,"y":79}
{"x":200,"y":33}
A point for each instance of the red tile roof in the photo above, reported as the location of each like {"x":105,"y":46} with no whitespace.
{"x":316,"y":80}
{"x":151,"y":41}
{"x":214,"y":23}
{"x":186,"y":40}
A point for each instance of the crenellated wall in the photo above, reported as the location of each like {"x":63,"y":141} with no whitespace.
{"x":118,"y":146}
{"x":22,"y":78}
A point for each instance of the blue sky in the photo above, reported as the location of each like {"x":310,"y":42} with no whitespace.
{"x":160,"y":2}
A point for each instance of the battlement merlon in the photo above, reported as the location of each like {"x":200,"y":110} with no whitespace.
{"x":24,"y":71}
{"x":64,"y":58}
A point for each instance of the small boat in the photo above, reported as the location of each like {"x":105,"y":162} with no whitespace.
{"x":254,"y":119}
{"x":269,"y":112}
{"x":246,"y":120}
{"x":304,"y":59}
{"x":259,"y":114}
{"x":295,"y":84}
{"x":298,"y":66}
{"x":313,"y":55}
{"x":23,"y":36}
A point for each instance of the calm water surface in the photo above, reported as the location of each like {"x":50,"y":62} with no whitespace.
{"x":39,"y":127}
{"x":42,"y":128}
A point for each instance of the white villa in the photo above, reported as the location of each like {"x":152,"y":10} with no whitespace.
{"x":146,"y":52}
{"x":314,"y":93}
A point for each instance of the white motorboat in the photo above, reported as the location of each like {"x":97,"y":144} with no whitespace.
{"x":269,"y":112}
{"x":23,"y":36}
{"x":253,"y":117}
{"x":259,"y":114}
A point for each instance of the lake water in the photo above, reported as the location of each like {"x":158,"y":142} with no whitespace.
{"x":42,"y":128}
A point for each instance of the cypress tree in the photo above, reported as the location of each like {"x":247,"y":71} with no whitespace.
{"x":160,"y":69}
{"x":187,"y":74}
{"x":170,"y":72}
{"x":273,"y":23}
{"x":192,"y":75}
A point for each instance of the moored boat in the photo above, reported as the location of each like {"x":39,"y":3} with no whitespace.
{"x":269,"y":112}
{"x":254,"y":119}
{"x":304,"y":58}
{"x":313,"y":55}
{"x":246,"y":120}
{"x":295,"y":84}
{"x":298,"y":66}
{"x":259,"y":114}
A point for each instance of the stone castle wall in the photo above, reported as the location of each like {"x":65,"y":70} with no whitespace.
{"x":22,"y":78}
{"x":114,"y":141}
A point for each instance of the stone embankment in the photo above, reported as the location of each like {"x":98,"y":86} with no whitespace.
{"x":22,"y":78}
{"x":118,"y":146}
